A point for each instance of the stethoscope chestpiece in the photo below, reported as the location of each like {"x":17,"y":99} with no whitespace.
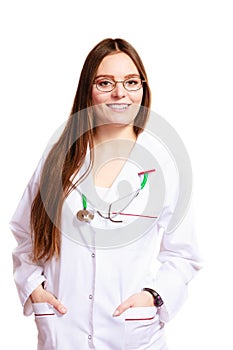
{"x":85,"y":215}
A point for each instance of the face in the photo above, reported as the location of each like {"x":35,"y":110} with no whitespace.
{"x":118,"y":106}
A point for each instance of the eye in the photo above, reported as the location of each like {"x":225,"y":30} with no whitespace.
{"x":105,"y":83}
{"x":133,"y":83}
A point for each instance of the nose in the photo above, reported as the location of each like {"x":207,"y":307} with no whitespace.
{"x":119,"y":90}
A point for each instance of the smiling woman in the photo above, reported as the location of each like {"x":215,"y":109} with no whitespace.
{"x":97,"y":278}
{"x":117,"y":97}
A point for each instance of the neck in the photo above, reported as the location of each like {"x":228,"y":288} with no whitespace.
{"x":113,"y":145}
{"x":109,"y":132}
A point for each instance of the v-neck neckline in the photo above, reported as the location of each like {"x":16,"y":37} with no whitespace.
{"x":122,"y":168}
{"x":88,"y":186}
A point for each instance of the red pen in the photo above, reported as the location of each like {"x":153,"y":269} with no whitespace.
{"x":147,"y":171}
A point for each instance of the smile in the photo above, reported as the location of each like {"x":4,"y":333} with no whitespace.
{"x":118,"y":106}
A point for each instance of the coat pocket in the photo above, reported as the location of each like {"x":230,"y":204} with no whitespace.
{"x":45,"y":318}
{"x":142,"y":328}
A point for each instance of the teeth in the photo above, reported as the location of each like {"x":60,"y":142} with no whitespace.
{"x":118,"y":106}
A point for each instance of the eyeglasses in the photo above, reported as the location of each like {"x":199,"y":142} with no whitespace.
{"x":108,"y":85}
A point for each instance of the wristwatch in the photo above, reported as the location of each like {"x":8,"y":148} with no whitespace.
{"x":158,"y":301}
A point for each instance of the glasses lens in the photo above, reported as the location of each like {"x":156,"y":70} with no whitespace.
{"x":133,"y":84}
{"x":105,"y":85}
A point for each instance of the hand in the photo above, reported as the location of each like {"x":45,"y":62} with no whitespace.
{"x":139,"y":299}
{"x":40,"y":295}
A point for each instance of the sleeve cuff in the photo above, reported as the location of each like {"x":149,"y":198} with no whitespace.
{"x":25,"y":298}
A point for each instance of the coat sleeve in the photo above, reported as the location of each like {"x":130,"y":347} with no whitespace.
{"x":27,"y":275}
{"x":180,"y":260}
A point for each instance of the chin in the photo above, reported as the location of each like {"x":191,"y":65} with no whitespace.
{"x":116,"y":123}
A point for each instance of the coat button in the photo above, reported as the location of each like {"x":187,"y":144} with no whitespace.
{"x":89,"y":337}
{"x":93,"y":255}
{"x":90,"y":296}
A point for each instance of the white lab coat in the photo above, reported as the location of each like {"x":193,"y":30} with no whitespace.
{"x":98,"y":270}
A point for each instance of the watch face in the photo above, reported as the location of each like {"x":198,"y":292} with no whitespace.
{"x":158,"y":301}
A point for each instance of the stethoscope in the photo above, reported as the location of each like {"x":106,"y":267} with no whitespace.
{"x":85,"y":215}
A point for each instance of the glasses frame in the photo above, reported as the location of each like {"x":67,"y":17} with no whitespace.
{"x":121,"y":82}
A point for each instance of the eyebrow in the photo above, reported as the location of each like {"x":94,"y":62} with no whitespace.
{"x":112,"y":76}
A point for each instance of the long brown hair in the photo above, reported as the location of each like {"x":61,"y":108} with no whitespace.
{"x":67,"y":156}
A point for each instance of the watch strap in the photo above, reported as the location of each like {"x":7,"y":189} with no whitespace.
{"x":158,"y":301}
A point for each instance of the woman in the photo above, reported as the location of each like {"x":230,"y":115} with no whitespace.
{"x":94,"y":261}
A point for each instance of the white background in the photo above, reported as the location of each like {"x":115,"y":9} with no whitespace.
{"x":187,"y":49}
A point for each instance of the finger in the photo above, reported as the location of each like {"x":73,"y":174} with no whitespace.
{"x":56,"y":304}
{"x":40,"y":295}
{"x":123,"y":307}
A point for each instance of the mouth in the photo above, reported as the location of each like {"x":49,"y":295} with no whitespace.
{"x":118,"y":107}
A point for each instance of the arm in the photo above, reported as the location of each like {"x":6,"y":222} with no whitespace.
{"x":28,"y":276}
{"x":179,"y":262}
